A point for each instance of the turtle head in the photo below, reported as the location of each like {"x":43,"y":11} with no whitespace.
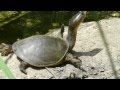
{"x":74,"y":23}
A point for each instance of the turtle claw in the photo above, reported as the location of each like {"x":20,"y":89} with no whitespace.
{"x":24,"y":71}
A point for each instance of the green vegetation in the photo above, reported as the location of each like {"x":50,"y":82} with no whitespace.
{"x":98,"y":15}
{"x":7,"y":17}
{"x":6,"y":70}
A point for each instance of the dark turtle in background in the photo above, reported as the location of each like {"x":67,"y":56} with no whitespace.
{"x":5,"y":49}
{"x":45,"y":50}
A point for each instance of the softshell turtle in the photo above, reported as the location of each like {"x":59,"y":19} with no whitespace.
{"x":45,"y":50}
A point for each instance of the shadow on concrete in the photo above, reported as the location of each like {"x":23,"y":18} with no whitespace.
{"x":90,"y":53}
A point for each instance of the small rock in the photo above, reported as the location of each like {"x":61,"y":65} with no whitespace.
{"x":84,"y":76}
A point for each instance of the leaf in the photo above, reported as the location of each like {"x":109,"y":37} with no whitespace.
{"x":6,"y":70}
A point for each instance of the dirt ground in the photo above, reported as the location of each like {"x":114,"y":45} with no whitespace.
{"x":99,"y":51}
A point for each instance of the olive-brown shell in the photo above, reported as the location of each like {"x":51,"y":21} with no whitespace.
{"x":41,"y":51}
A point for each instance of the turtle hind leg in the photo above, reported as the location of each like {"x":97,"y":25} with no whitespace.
{"x":23,"y":66}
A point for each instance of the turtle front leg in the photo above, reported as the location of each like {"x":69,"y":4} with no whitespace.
{"x":23,"y":66}
{"x":74,"y":60}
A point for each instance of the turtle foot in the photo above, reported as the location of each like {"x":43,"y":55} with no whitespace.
{"x":23,"y":65}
